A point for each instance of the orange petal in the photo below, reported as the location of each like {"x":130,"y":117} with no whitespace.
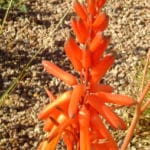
{"x":48,"y":125}
{"x":75,"y":48}
{"x":96,"y":42}
{"x":112,"y":118}
{"x":77,"y":93}
{"x":106,"y":112}
{"x":74,"y":53}
{"x":100,"y":146}
{"x":64,"y":98}
{"x":45,"y":145}
{"x":99,"y":46}
{"x":80,"y":29}
{"x":101,"y":68}
{"x":101,"y":22}
{"x":97,"y":123}
{"x":101,"y":87}
{"x":91,"y":7}
{"x":69,"y":140}
{"x":60,"y":128}
{"x":100,"y":3}
{"x":80,"y":9}
{"x":54,"y":142}
{"x":116,"y":98}
{"x":84,"y":120}
{"x":86,"y":59}
{"x":95,"y":135}
{"x":59,"y":73}
{"x":53,"y":117}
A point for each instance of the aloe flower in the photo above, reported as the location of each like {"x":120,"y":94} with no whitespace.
{"x":77,"y":115}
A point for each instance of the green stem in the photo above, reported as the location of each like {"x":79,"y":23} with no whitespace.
{"x":5,"y":17}
{"x":21,"y":75}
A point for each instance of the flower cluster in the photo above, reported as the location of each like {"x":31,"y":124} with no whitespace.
{"x":77,"y":115}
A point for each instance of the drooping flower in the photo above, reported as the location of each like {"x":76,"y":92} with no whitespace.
{"x":76,"y":115}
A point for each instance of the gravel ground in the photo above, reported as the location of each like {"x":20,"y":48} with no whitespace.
{"x":26,"y":33}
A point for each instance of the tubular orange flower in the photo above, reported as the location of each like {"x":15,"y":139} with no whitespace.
{"x":98,"y":45}
{"x":96,"y":42}
{"x":71,"y":43}
{"x":112,"y":118}
{"x":48,"y":124}
{"x":80,"y":29}
{"x":100,"y":3}
{"x":86,"y":59}
{"x":101,"y":22}
{"x":76,"y":96}
{"x":68,"y":142}
{"x":59,"y":73}
{"x":100,"y":87}
{"x":69,"y":139}
{"x":98,"y":124}
{"x":59,"y":130}
{"x":75,"y":116}
{"x":102,"y":146}
{"x":91,"y":7}
{"x":73,"y":54}
{"x":49,"y":145}
{"x":100,"y":69}
{"x":64,"y":98}
{"x":99,"y":48}
{"x":84,"y":120}
{"x":80,"y":10}
{"x":45,"y":145}
{"x":116,"y":98}
{"x":50,"y":121}
{"x":106,"y":112}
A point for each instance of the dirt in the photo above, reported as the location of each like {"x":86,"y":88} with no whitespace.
{"x":25,"y":34}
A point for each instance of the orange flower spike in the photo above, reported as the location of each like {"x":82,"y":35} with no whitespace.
{"x":80,"y":10}
{"x":59,"y":73}
{"x":101,"y":68}
{"x":50,"y":95}
{"x":84,"y":119}
{"x":64,"y":98}
{"x":73,"y":54}
{"x":86,"y":59}
{"x":97,"y":123}
{"x":101,"y":22}
{"x":99,"y":45}
{"x":76,"y":96}
{"x":116,"y":98}
{"x":91,"y":4}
